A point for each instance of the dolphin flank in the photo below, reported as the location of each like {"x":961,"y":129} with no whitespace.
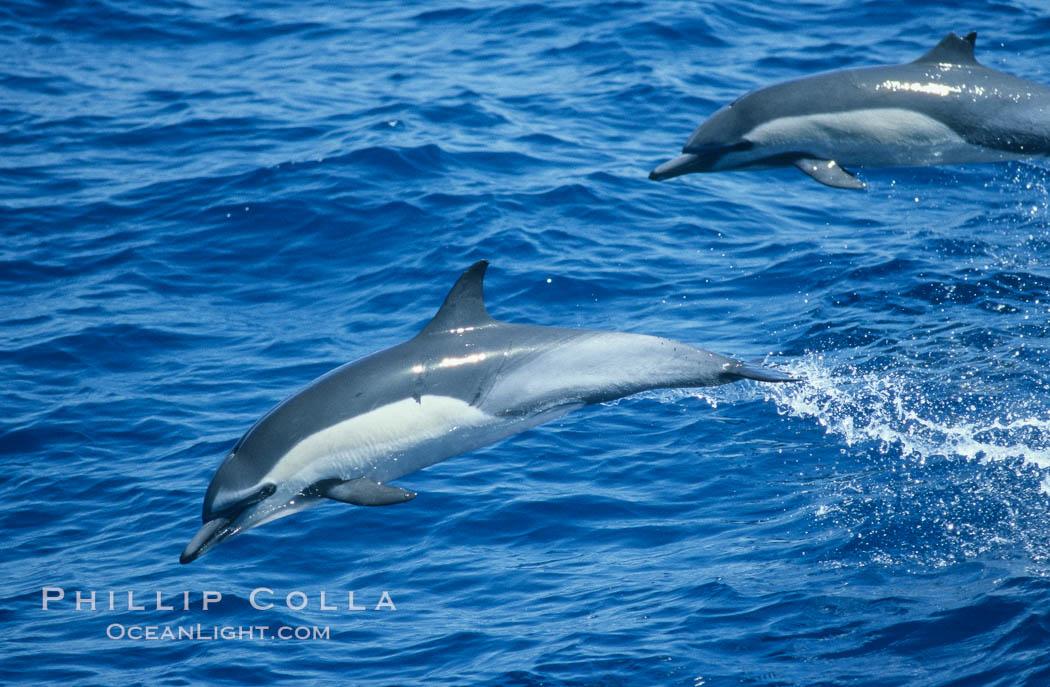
{"x":944,"y":108}
{"x":466,"y":380}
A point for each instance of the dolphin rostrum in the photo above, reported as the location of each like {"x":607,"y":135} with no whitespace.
{"x":944,"y":108}
{"x":466,"y":380}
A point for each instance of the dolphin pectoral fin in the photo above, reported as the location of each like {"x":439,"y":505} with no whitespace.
{"x":829,"y":173}
{"x":364,"y":492}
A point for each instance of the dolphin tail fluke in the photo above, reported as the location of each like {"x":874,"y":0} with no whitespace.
{"x":742,"y":370}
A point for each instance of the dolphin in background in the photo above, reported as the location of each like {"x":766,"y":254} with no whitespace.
{"x":944,"y":108}
{"x":466,"y":380}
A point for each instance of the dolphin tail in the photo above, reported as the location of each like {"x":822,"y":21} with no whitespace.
{"x":742,"y":370}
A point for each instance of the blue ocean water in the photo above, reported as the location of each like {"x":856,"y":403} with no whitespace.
{"x":203,"y":206}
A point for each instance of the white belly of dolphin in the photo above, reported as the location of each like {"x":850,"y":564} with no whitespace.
{"x":878,"y":137}
{"x":391,"y":433}
{"x":397,"y":439}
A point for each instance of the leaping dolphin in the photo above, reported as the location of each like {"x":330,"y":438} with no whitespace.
{"x":466,"y":380}
{"x":944,"y":108}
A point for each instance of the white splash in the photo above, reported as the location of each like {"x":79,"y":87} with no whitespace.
{"x":914,"y":508}
{"x":893,"y":410}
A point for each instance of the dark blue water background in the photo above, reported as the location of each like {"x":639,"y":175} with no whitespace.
{"x":203,"y":206}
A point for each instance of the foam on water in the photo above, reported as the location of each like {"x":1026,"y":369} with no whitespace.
{"x":892,"y":410}
{"x":931,"y":487}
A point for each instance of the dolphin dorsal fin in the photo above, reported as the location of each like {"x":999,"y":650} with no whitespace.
{"x":465,"y":304}
{"x":952,"y":50}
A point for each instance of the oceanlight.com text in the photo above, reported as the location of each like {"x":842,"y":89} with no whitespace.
{"x":212,"y":633}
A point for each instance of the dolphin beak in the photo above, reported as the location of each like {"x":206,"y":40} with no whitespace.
{"x":210,"y":534}
{"x":683,"y":164}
